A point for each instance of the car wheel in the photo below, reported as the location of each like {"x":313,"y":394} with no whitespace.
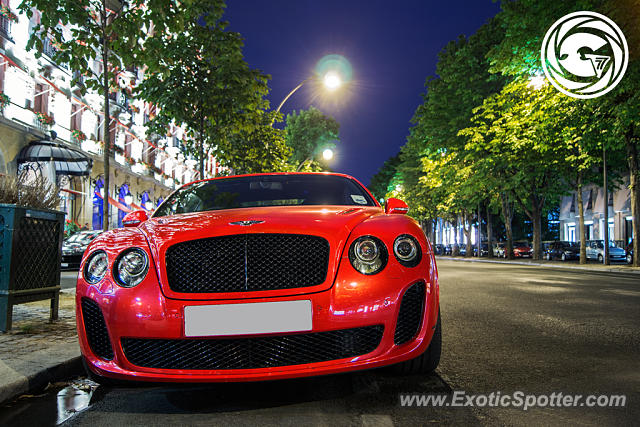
{"x":99,"y":379}
{"x":564,"y":257}
{"x":428,"y":361}
{"x":629,"y":259}
{"x":548,"y":257}
{"x":600,"y":258}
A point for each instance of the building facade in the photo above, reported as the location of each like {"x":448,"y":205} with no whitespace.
{"x":40,"y":103}
{"x":619,"y":212}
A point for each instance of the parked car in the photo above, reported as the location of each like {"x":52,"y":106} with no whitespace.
{"x":438,"y":249}
{"x":499,"y":249}
{"x":74,"y":246}
{"x":484,"y":250}
{"x":630,"y":252}
{"x":448,"y":249}
{"x":563,"y":250}
{"x":522,"y":249}
{"x":462,"y":250}
{"x":243,"y":278}
{"x":595,"y":251}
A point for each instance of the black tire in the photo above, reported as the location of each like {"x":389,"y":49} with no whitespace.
{"x":548,"y":256}
{"x":600,"y":258}
{"x":564,"y":257}
{"x":428,"y":361}
{"x":99,"y":379}
{"x":629,"y":259}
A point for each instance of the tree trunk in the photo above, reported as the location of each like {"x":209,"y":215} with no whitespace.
{"x":489,"y":234}
{"x":201,"y":147}
{"x":454,"y":250}
{"x":507,"y":217}
{"x":634,"y":163}
{"x":536,"y":220}
{"x":479,"y":238}
{"x":107,"y":120}
{"x":583,"y":237}
{"x":466,"y":229}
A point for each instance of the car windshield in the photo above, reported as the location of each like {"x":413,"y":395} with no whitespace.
{"x":82,"y":238}
{"x":265,"y":190}
{"x":520,"y":244}
{"x":600,"y":244}
{"x":569,"y":245}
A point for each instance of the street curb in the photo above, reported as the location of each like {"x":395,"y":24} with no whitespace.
{"x":38,"y":381}
{"x":627,"y":270}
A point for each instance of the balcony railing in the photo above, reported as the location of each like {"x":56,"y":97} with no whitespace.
{"x":49,"y":50}
{"x":5,"y":27}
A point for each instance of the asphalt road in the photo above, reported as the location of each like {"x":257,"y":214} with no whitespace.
{"x":505,"y":329}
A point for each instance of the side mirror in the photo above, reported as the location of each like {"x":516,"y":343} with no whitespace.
{"x":395,"y":206}
{"x":134,"y":219}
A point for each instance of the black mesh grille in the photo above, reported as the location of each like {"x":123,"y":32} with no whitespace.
{"x":410,"y":315}
{"x":247,"y":262}
{"x":37,"y":246}
{"x":250,"y":353}
{"x":96,"y":329}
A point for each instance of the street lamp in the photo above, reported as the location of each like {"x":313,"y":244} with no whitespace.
{"x":332,"y":72}
{"x":327,"y":154}
{"x":330,"y":81}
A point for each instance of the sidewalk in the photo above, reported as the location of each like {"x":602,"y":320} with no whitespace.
{"x":36,"y":352}
{"x":569,"y":265}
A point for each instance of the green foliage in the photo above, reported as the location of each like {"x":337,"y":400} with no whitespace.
{"x":380,"y":183}
{"x":308,"y":133}
{"x":202,"y":81}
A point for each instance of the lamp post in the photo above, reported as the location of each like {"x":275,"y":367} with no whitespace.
{"x":331,"y":81}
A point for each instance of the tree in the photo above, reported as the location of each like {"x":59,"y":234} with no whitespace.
{"x":259,"y":149}
{"x":107,"y":31}
{"x":307,"y":133}
{"x":201,"y":80}
{"x":381,"y":181}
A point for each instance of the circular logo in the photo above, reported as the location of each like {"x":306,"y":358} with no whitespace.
{"x":584,"y":54}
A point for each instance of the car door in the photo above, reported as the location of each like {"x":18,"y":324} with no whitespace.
{"x":591,"y":250}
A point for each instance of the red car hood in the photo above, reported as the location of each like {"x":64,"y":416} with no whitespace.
{"x":334,"y":223}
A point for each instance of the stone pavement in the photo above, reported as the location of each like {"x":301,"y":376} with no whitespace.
{"x":37,"y":351}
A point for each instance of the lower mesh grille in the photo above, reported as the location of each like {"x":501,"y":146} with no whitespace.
{"x":410,"y":315}
{"x":96,"y":329}
{"x":251,"y":353}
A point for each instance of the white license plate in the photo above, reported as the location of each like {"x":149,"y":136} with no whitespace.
{"x":64,"y":264}
{"x":247,"y":319}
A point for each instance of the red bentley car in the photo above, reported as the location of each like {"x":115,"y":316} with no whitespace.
{"x":259,"y":277}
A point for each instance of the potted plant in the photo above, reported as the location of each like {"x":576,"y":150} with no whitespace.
{"x":4,"y":101}
{"x":31,"y":233}
{"x":44,"y":119}
{"x":6,"y":12}
{"x":78,"y":136}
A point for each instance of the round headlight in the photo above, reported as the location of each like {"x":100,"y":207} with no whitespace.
{"x":368,"y":255}
{"x":131,"y":267}
{"x":407,"y":250}
{"x":96,"y":267}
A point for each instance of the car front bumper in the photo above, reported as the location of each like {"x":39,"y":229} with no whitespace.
{"x":354,"y":301}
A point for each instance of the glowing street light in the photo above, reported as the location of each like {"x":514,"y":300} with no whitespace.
{"x":537,"y":81}
{"x":327,"y":154}
{"x":332,"y":81}
{"x":332,"y":71}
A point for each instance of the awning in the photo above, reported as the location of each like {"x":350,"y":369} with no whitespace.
{"x":66,"y":160}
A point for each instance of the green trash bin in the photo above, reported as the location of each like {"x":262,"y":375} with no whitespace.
{"x":30,"y":255}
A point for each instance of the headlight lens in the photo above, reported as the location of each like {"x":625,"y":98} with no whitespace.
{"x":368,"y":255}
{"x":406,"y":249}
{"x":131,"y":267}
{"x":96,"y":267}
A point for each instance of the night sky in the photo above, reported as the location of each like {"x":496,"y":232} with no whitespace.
{"x":392,"y":47}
